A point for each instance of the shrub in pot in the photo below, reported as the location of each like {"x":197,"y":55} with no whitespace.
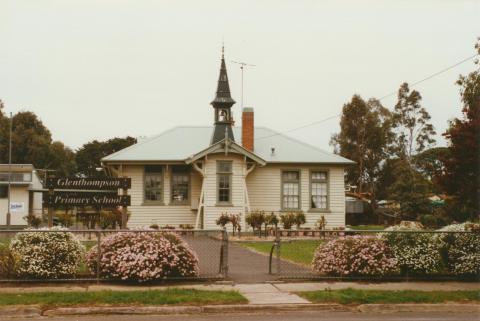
{"x":300,"y":219}
{"x":235,"y":220}
{"x":44,"y":255}
{"x":255,"y":219}
{"x":271,"y":219}
{"x":288,"y":220}
{"x":223,"y":219}
{"x":143,"y":257}
{"x":354,"y":256}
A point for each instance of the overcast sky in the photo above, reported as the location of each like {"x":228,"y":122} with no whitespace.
{"x":96,"y":69}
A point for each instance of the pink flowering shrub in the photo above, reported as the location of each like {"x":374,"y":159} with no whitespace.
{"x":143,"y":257}
{"x":354,"y":255}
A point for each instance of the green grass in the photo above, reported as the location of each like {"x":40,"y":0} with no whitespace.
{"x":300,"y":251}
{"x":151,"y":297}
{"x":352,"y":296}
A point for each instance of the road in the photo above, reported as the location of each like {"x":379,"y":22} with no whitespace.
{"x":284,"y":316}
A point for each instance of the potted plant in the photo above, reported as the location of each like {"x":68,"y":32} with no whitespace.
{"x":287,"y":219}
{"x":300,"y":219}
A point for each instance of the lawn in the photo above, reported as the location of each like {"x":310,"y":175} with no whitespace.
{"x":352,"y":296}
{"x":299,"y":251}
{"x":149,"y":297}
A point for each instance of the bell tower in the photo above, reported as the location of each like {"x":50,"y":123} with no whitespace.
{"x":222,"y":104}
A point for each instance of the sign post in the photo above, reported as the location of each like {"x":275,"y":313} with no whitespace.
{"x":97,"y":192}
{"x":124,"y":211}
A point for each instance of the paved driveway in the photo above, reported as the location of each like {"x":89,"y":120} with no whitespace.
{"x":245,"y":266}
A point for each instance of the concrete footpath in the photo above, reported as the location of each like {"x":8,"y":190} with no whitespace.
{"x":262,"y":297}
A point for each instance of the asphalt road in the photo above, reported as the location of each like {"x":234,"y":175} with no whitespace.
{"x":284,"y":316}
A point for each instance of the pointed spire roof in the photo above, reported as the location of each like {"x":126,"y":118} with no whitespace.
{"x":223,"y":88}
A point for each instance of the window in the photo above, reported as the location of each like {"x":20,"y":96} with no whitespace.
{"x":180,"y":184}
{"x":291,"y":190}
{"x":224,"y":182}
{"x":319,"y":190}
{"x":153,"y":183}
{"x":3,"y":191}
{"x":16,"y":177}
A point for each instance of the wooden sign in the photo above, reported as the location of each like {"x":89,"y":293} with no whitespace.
{"x":87,"y":199}
{"x":99,"y":184}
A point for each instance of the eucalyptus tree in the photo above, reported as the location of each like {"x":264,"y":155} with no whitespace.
{"x":365,"y":137}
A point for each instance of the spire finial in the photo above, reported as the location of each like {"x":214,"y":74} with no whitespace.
{"x":223,"y":49}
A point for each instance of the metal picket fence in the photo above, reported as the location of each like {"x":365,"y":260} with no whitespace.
{"x":210,"y":246}
{"x":286,"y":260}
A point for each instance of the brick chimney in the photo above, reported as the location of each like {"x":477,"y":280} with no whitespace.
{"x":247,"y":128}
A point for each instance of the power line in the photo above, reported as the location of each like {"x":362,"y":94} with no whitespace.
{"x":381,"y":98}
{"x":432,"y":75}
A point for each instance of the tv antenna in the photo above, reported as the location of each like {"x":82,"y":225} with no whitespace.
{"x":242,"y":67}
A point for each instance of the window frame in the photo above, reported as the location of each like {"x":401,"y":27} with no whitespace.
{"x":187,"y":173}
{"x":299,"y":182}
{"x":311,"y":181}
{"x":162,"y":186}
{"x":229,"y":174}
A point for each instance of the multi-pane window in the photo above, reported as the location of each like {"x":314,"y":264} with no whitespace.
{"x":180,"y":184}
{"x":291,"y":190}
{"x":224,"y":181}
{"x":153,"y":183}
{"x":16,"y":177}
{"x":319,"y":190}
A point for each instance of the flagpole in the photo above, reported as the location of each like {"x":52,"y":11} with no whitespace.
{"x":9,"y":215}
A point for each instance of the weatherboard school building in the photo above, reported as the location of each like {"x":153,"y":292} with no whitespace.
{"x":191,"y":175}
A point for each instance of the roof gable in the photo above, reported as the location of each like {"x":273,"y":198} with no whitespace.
{"x":227,"y":146}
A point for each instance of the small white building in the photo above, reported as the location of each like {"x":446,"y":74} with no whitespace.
{"x":191,"y":175}
{"x":24,"y":198}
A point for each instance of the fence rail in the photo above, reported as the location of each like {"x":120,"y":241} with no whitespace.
{"x":292,"y":252}
{"x":209,"y":246}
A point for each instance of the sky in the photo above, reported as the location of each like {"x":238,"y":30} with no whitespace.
{"x":97,"y":69}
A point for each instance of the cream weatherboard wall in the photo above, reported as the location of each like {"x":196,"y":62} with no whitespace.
{"x":144,"y":214}
{"x":264,"y":189}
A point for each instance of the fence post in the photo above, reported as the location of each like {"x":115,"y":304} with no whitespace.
{"x":278,"y":241}
{"x":225,"y":252}
{"x":99,"y":254}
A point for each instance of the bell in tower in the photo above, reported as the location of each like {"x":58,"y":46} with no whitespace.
{"x":222,"y":105}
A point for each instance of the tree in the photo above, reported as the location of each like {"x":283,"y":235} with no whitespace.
{"x":431,"y":164}
{"x":30,"y":140}
{"x":88,"y":157}
{"x":410,"y":189}
{"x":4,"y":130}
{"x":411,"y":121}
{"x":61,"y":159}
{"x":462,"y":172}
{"x":365,"y":136}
